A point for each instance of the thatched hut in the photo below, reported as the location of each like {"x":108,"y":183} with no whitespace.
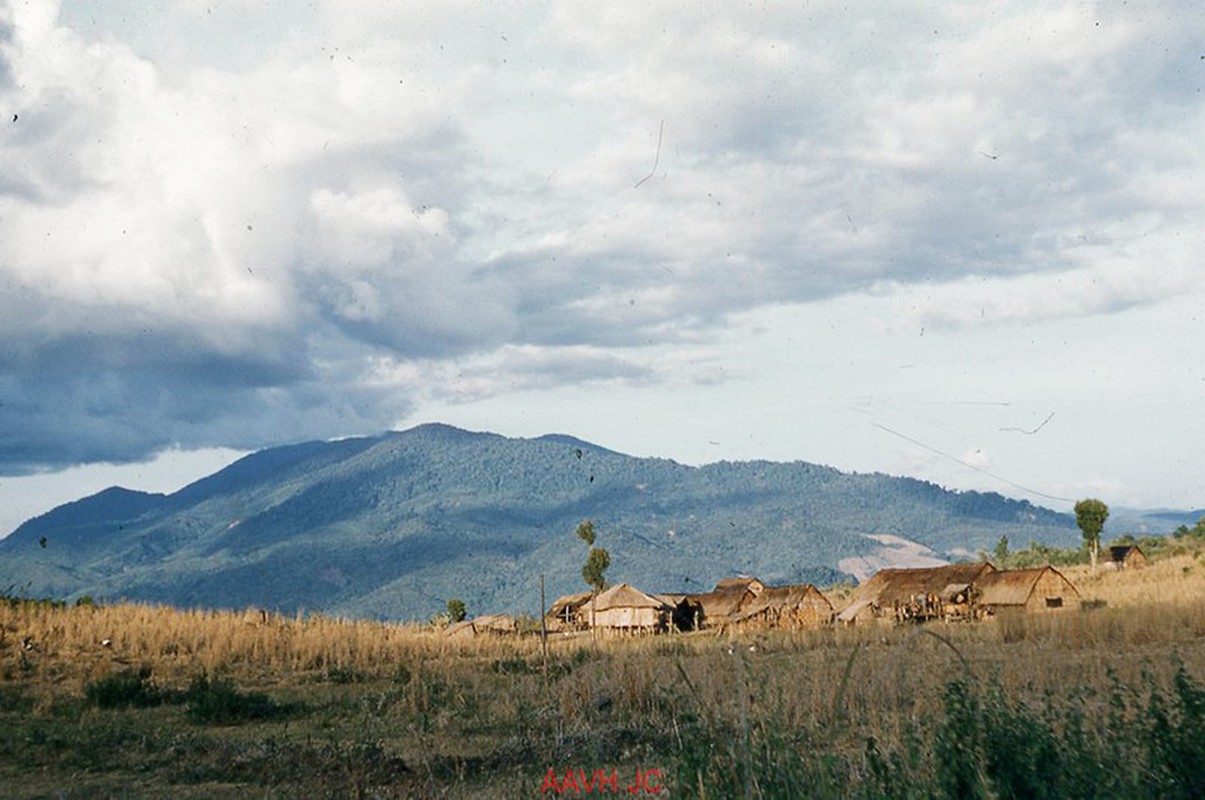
{"x":1026,"y":590}
{"x":730,"y":598}
{"x":741,"y":584}
{"x":570,"y":612}
{"x":857,"y":612}
{"x":787,"y":607}
{"x":719,"y":609}
{"x":1126,"y":556}
{"x":685,"y":613}
{"x":625,"y":608}
{"x":489,"y":624}
{"x":918,"y":594}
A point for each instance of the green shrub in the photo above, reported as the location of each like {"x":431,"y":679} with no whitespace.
{"x":513,"y":666}
{"x":125,"y":690}
{"x":13,"y":697}
{"x":1133,"y":743}
{"x":218,"y":702}
{"x":345,"y":675}
{"x":1176,"y":738}
{"x":959,"y":744}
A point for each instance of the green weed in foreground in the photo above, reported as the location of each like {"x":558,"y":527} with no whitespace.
{"x":776,"y":723}
{"x":982,"y":745}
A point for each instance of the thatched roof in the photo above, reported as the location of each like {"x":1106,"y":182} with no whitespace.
{"x":494,"y":623}
{"x":671,"y":599}
{"x":457,"y":629}
{"x":740,"y":584}
{"x":625,"y":596}
{"x":851,"y":611}
{"x":953,"y":590}
{"x":889,"y":586}
{"x":1120,"y":552}
{"x":718,"y":605}
{"x":725,"y":601}
{"x":785,"y":598}
{"x":1014,"y":587}
{"x":569,"y":601}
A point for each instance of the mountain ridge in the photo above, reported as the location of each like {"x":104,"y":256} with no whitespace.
{"x":393,"y":525}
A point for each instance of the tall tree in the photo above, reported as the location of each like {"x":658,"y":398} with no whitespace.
{"x":597,"y":561}
{"x":585,"y":532}
{"x":1090,"y":516}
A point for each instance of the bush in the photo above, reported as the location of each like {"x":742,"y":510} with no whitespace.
{"x":125,"y":690}
{"x":1176,"y":744}
{"x":218,"y":702}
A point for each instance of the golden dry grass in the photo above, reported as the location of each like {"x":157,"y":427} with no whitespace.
{"x":1161,"y":606}
{"x":1176,"y":580}
{"x":482,"y":717}
{"x":68,"y":644}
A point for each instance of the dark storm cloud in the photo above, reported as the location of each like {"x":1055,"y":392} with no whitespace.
{"x":120,"y":398}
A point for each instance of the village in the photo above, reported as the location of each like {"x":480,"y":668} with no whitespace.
{"x":961,"y":592}
{"x":941,"y":668}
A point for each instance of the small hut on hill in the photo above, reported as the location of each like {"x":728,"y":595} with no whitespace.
{"x":570,"y":612}
{"x":489,"y":624}
{"x":1026,"y":590}
{"x":917,"y":594}
{"x":857,"y":612}
{"x":721,"y":606}
{"x":624,"y":608}
{"x":741,"y":584}
{"x":1126,"y":556}
{"x":718,"y":609}
{"x":685,"y":613}
{"x":787,"y":607}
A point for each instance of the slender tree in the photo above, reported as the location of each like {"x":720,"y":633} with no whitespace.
{"x":1090,"y":516}
{"x":1001,"y":552}
{"x":596,"y":565}
{"x":585,"y":532}
{"x":597,"y":561}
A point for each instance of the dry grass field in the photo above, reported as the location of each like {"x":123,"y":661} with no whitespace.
{"x":138,"y":701}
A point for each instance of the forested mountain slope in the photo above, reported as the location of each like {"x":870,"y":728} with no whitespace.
{"x":394,"y":525}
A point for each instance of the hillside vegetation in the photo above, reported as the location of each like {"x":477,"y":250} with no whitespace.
{"x":393,"y":526}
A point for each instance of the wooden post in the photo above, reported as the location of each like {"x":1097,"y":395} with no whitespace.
{"x":543,"y":628}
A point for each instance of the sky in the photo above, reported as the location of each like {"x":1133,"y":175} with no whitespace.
{"x":958,"y":241}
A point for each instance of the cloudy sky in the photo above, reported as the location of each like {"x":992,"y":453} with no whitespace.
{"x":957,"y":241}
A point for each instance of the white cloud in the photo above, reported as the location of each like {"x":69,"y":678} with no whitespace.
{"x":241,"y":221}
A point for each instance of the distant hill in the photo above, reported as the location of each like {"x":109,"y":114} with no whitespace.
{"x":392,"y":526}
{"x":1152,"y":521}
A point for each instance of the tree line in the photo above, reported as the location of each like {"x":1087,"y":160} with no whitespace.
{"x":1090,"y":516}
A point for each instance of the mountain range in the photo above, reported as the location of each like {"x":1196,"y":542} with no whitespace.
{"x":392,"y":526}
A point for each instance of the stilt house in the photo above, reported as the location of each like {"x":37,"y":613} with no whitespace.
{"x":625,"y":608}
